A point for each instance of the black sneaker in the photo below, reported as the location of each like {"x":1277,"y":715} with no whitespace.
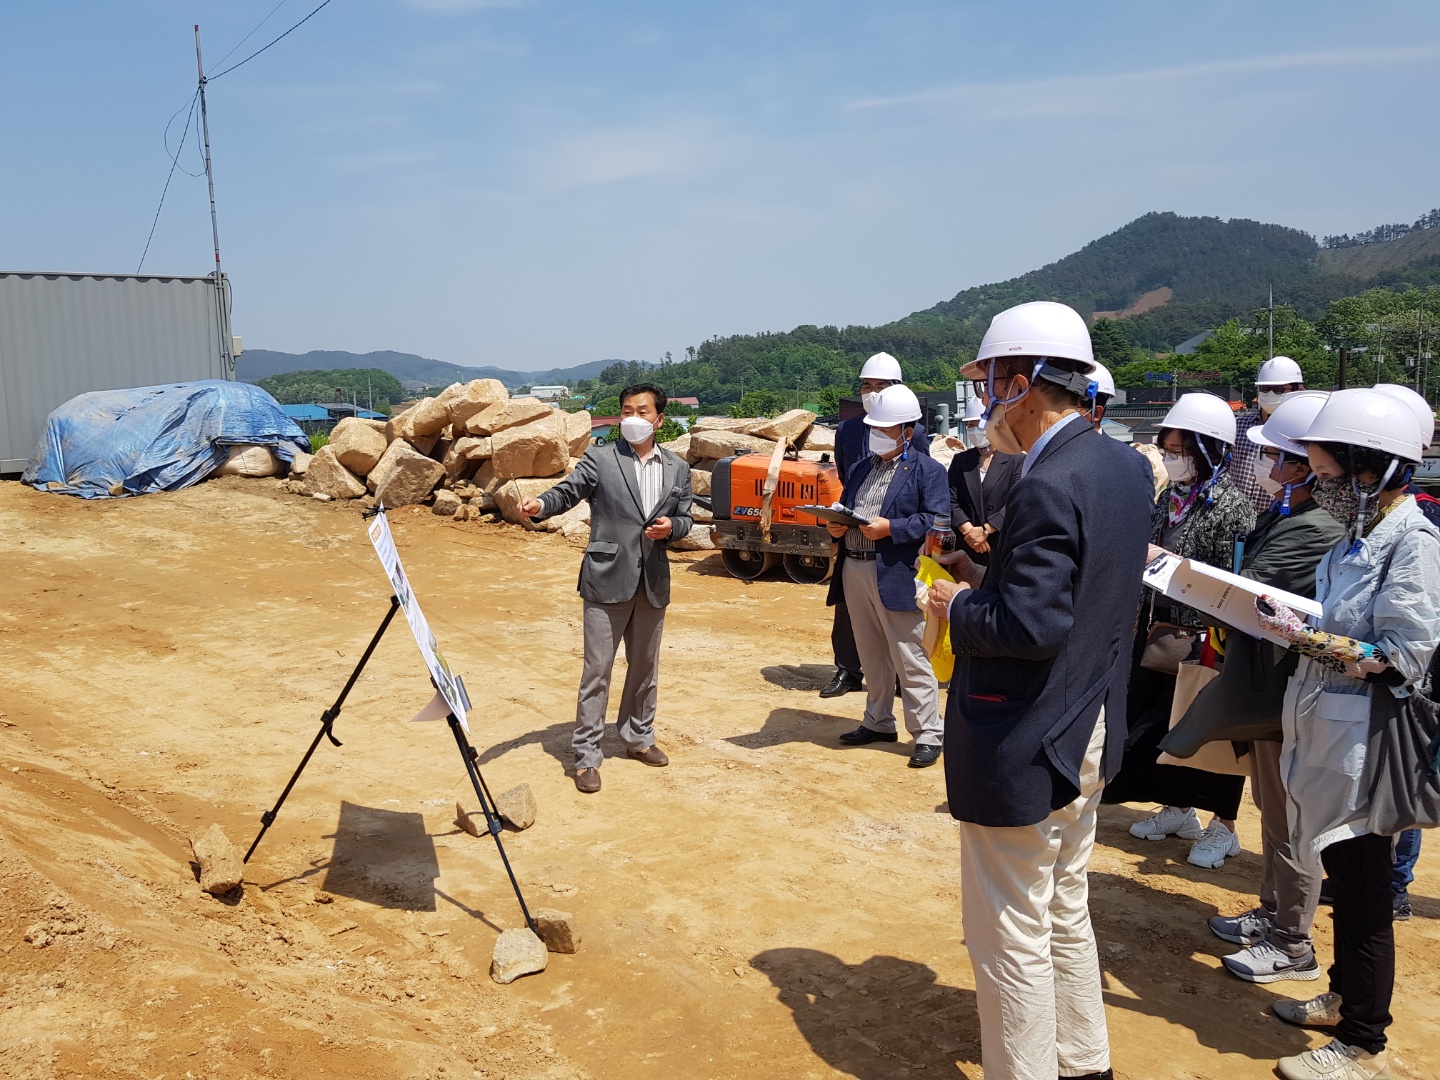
{"x":1400,"y":904}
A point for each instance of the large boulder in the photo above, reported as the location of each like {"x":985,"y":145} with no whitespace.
{"x":697,"y":539}
{"x":577,"y":432}
{"x":410,"y":477}
{"x":426,"y":417}
{"x":745,"y":425}
{"x":579,"y":514}
{"x":700,"y":481}
{"x":326,"y":476}
{"x":506,"y":414}
{"x":446,"y":503}
{"x":790,"y":425}
{"x":679,"y":447}
{"x":464,"y":400}
{"x":539,"y":448}
{"x":464,"y":453}
{"x":719,"y":444}
{"x":299,"y":463}
{"x":511,"y":493}
{"x":819,"y":437}
{"x":357,"y":445}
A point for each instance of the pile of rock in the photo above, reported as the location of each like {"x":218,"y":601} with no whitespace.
{"x":711,"y":438}
{"x":474,"y":451}
{"x":470,"y":450}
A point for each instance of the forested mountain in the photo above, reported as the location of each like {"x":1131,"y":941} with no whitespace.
{"x":256,"y":364}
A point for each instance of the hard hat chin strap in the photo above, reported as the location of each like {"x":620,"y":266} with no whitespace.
{"x":990,"y":387}
{"x":1287,"y":489}
{"x":1363,"y":499}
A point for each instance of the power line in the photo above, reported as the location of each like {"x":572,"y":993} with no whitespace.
{"x":236,"y":47}
{"x":260,"y":50}
{"x":174,"y":161}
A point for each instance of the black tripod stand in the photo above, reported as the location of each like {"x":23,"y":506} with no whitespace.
{"x":493,"y":824}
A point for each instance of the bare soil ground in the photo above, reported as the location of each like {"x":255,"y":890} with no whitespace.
{"x":771,"y":905}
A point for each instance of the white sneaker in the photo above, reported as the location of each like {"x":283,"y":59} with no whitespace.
{"x":1321,"y":1011}
{"x":1215,"y":845}
{"x":1169,"y":821}
{"x":1335,"y":1061}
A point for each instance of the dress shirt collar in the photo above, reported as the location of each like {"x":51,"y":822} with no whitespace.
{"x":1054,"y":429}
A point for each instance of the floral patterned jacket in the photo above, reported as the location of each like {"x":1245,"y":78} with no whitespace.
{"x":1206,"y":535}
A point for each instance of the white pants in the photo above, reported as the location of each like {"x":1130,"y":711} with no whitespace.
{"x":1025,"y":902}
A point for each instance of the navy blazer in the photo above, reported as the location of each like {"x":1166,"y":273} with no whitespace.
{"x":852,"y":445}
{"x":916,"y":494}
{"x":1046,"y":639}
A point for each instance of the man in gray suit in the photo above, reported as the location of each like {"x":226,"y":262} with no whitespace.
{"x":639,"y":501}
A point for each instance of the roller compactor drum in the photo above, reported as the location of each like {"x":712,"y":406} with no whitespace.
{"x":753,"y":540}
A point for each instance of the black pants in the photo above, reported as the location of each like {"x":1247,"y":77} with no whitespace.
{"x":842,"y":638}
{"x":1364,"y":970}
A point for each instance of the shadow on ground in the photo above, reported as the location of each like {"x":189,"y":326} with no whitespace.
{"x":875,"y":1020}
{"x":383,"y":857}
{"x":821,"y":729}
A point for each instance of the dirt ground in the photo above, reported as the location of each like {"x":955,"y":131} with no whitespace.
{"x":771,"y":905}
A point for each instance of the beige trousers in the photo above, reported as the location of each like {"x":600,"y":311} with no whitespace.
{"x":1025,"y":902}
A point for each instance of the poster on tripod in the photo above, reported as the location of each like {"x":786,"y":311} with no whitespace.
{"x":449,"y":685}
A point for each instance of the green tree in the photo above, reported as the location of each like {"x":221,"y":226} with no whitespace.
{"x":359,"y":385}
{"x":1112,"y":347}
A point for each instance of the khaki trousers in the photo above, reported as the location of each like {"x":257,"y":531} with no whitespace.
{"x":889,"y":642}
{"x":1025,"y":902}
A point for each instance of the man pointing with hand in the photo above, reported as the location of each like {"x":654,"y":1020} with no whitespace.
{"x":639,"y":501}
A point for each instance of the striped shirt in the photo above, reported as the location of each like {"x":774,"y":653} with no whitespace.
{"x":650,"y":475}
{"x":1242,"y":464}
{"x":870,"y":498}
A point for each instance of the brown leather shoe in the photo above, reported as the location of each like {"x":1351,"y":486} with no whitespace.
{"x":587,"y":781}
{"x":651,"y":755}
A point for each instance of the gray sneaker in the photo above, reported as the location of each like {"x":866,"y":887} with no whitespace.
{"x":1264,"y":963}
{"x":1322,"y":1011}
{"x":1248,"y":928}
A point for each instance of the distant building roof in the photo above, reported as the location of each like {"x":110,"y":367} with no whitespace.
{"x":1187,"y":348}
{"x":344,"y":408}
{"x":305,"y":412}
{"x":606,"y":422}
{"x":693,"y":402}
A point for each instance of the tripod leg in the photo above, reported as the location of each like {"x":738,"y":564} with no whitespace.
{"x":493,"y":824}
{"x":327,"y":724}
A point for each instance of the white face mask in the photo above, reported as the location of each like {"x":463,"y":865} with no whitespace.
{"x":1268,"y":399}
{"x":882,"y":444}
{"x":867,"y":400}
{"x":1262,"y":476}
{"x":976,"y":437}
{"x":1180,"y":468}
{"x":636,"y":429}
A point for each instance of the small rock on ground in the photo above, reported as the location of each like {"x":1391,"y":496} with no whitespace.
{"x":557,"y":930}
{"x":220,"y":867}
{"x":517,"y":806}
{"x":517,"y":952}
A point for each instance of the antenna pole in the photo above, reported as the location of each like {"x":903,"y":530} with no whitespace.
{"x":1269,"y":334}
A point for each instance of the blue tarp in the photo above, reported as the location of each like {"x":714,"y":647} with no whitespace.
{"x":156,"y":438}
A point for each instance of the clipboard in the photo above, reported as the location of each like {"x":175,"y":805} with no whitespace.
{"x":840,"y":517}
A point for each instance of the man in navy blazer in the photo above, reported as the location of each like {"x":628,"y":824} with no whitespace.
{"x":880,"y":371}
{"x":898,"y":492}
{"x":1042,"y":659}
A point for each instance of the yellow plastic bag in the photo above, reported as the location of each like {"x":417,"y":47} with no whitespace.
{"x":937,"y":630}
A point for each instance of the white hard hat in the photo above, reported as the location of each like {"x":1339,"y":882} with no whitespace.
{"x":1292,"y":418}
{"x":974,"y":410}
{"x":1368,"y":418}
{"x":1039,"y":328}
{"x":1204,"y":414}
{"x":1279,"y":371}
{"x":1424,"y":415}
{"x":881,"y":366}
{"x":894,"y":405}
{"x":1104,"y":381}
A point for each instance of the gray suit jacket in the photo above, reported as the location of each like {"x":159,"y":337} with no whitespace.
{"x":619,"y":553}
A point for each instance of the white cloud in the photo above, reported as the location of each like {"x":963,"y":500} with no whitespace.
{"x":1121,"y":92}
{"x":621,"y":154}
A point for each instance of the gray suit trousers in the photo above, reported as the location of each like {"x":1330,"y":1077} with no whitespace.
{"x":639,"y":624}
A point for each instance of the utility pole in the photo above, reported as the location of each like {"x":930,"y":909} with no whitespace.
{"x":1270,"y":332}
{"x":222,"y":307}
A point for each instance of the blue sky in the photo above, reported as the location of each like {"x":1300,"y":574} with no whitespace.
{"x":535,"y":184}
